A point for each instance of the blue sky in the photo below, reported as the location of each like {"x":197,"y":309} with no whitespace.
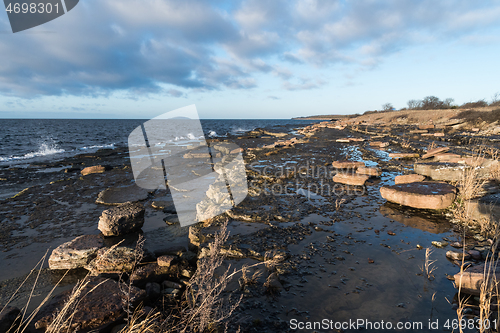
{"x":248,"y":59}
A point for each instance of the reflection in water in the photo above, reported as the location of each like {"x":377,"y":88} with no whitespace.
{"x":414,"y":219}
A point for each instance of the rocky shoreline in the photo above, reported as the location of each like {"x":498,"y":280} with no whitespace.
{"x":316,"y":205}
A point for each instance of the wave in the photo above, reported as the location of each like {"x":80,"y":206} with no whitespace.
{"x":43,"y":150}
{"x":111,"y":145}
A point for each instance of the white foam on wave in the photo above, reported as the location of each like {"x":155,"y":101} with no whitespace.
{"x":43,"y":150}
{"x":112,"y":145}
{"x":212,"y":134}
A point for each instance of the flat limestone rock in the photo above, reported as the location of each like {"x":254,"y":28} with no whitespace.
{"x":121,"y":220}
{"x":404,"y":155}
{"x":76,"y":253}
{"x":484,"y":208}
{"x":347,"y":164}
{"x":93,"y":169}
{"x":450,"y":172}
{"x":101,"y":306}
{"x":350,"y":179}
{"x":116,"y":260}
{"x":379,"y":144}
{"x":119,"y":195}
{"x":411,"y":178}
{"x":435,"y":151}
{"x":422,"y":195}
{"x":374,"y":172}
{"x":470,"y":280}
{"x":446,"y":157}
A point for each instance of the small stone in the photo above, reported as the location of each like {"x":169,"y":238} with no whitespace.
{"x":166,"y":260}
{"x":439,"y":244}
{"x":371,"y":261}
{"x":93,"y":169}
{"x":170,"y":284}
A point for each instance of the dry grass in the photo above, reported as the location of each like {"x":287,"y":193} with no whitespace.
{"x":428,"y":268}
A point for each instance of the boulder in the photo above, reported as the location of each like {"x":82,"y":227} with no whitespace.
{"x":8,"y":317}
{"x":93,"y":169}
{"x":115,"y":196}
{"x":435,"y":151}
{"x":99,"y":306}
{"x":450,"y":172}
{"x":470,"y":280}
{"x":452,"y":255}
{"x":347,"y":165}
{"x":350,"y":179}
{"x":439,"y":134}
{"x":404,"y":155}
{"x":422,"y":195}
{"x":121,"y":220}
{"x":76,"y":253}
{"x":374,"y":172}
{"x":411,"y":178}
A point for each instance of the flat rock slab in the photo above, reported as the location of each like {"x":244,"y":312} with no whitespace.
{"x":121,"y":220}
{"x":485,"y":208}
{"x":115,"y":260}
{"x":93,"y":169}
{"x":379,"y":144}
{"x":404,"y":155}
{"x":76,"y":253}
{"x":119,"y":195}
{"x":374,"y":172}
{"x":347,"y":164}
{"x":422,"y":195}
{"x":470,"y":280}
{"x":450,"y":172}
{"x":350,"y":179}
{"x":101,"y":306}
{"x":446,"y":157}
{"x":412,"y":178}
{"x":435,"y":151}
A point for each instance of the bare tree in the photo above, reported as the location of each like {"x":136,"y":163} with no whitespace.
{"x":414,"y":104}
{"x":387,"y":107}
{"x":448,"y":103}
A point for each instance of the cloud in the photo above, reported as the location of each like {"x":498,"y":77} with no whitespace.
{"x":303,"y":84}
{"x":173,"y":47}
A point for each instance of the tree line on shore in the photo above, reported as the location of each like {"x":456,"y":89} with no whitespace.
{"x":434,"y":103}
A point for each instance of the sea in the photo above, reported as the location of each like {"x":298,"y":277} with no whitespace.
{"x":25,"y":141}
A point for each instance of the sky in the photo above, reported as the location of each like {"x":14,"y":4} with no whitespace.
{"x":248,"y":59}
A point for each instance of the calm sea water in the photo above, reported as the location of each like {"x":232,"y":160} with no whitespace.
{"x":24,"y":141}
